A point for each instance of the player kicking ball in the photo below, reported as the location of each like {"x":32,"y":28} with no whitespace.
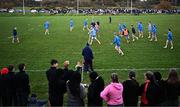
{"x":117,"y":42}
{"x":92,"y":33}
{"x":46,"y":27}
{"x":169,"y":39}
{"x":15,"y":37}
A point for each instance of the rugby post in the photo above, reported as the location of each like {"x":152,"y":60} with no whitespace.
{"x":23,"y":8}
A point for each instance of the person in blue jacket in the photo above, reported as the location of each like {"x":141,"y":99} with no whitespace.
{"x":169,"y":39}
{"x":140,"y":29}
{"x":149,"y":29}
{"x":85,"y":24}
{"x":71,"y":25}
{"x":154,"y":33}
{"x":120,"y":28}
{"x":117,"y":42}
{"x":46,"y":27}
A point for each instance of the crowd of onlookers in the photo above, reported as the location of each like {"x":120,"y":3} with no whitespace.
{"x":15,"y":87}
{"x":155,"y":91}
{"x":89,"y":11}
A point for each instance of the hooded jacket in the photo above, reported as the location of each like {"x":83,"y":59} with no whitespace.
{"x":112,"y":94}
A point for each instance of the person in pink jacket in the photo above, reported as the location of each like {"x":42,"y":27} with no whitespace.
{"x":112,"y":94}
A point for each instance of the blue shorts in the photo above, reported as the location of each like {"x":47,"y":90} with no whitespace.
{"x":140,"y":30}
{"x":118,"y":45}
{"x":46,"y":28}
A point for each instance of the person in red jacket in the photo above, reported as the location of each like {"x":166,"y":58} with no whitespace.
{"x":149,"y":90}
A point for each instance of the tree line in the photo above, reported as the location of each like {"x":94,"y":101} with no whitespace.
{"x":84,"y":3}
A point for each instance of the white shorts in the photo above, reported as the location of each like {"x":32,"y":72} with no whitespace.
{"x":93,"y":37}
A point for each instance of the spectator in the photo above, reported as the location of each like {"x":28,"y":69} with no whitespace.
{"x":4,"y":71}
{"x":88,"y":58}
{"x":109,"y":94}
{"x":161,"y":84}
{"x":131,"y":89}
{"x":94,"y":90}
{"x":75,"y":90}
{"x":11,"y":78}
{"x":172,"y":86}
{"x":4,"y":86}
{"x":149,"y":90}
{"x":22,"y":86}
{"x":61,"y":86}
{"x":54,"y":98}
{"x":79,"y":66}
{"x":67,"y":72}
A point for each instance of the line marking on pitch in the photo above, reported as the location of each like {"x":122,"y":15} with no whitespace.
{"x":123,"y":69}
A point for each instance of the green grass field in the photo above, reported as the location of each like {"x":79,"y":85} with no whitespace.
{"x":36,"y":49}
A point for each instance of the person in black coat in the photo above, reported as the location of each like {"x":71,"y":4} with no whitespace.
{"x":11,"y":78}
{"x":4,"y":87}
{"x":51,"y":74}
{"x":22,"y":86}
{"x":149,"y":90}
{"x":172,"y":86}
{"x":131,"y":89}
{"x":67,"y":73}
{"x":61,"y":86}
{"x":94,"y":90}
{"x":88,"y":58}
{"x":161,"y":83}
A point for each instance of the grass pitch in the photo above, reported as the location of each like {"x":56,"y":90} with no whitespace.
{"x":36,"y":49}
